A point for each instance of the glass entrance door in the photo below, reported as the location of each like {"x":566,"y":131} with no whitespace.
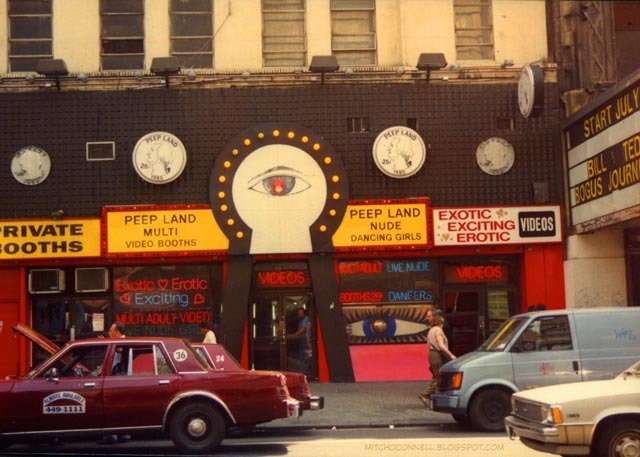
{"x":276,"y":343}
{"x":474,"y":314}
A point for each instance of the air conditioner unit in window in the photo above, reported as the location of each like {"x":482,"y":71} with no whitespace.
{"x":46,"y":281}
{"x":92,"y":279}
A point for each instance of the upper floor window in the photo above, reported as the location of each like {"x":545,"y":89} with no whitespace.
{"x":192,"y":33}
{"x":474,"y":29}
{"x":353,"y":31}
{"x":122,"y":34}
{"x":283,"y":33}
{"x":29,"y":33}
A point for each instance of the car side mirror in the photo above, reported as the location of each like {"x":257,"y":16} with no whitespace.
{"x":54,"y":376}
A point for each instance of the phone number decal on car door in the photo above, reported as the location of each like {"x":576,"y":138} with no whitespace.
{"x":77,"y":406}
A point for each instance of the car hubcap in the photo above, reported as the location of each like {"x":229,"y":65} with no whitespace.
{"x":629,"y":446}
{"x":197,"y":427}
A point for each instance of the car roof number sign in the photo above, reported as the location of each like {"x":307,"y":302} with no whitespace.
{"x":180,"y":355}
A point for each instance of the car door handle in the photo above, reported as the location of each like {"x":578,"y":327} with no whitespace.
{"x":89,"y":384}
{"x":164,"y":382}
{"x":576,"y":367}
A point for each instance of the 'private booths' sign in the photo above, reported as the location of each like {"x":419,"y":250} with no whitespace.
{"x":166,"y":300}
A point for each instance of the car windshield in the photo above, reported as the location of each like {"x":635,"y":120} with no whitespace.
{"x":503,"y":335}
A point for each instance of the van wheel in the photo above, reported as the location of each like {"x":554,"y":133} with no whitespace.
{"x":196,"y":428}
{"x":489,"y":408}
{"x":620,"y":440}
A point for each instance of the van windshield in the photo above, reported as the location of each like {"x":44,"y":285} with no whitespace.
{"x":503,"y":335}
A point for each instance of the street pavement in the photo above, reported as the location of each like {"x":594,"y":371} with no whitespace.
{"x":366,"y":404}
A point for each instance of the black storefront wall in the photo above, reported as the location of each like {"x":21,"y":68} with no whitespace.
{"x":452,"y":120}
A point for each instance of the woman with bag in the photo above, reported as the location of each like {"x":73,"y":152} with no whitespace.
{"x":439,"y":354}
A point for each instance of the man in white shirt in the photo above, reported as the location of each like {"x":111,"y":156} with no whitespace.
{"x":209,"y":336}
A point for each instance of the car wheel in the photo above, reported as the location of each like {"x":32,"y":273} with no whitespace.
{"x":489,"y":408}
{"x":196,"y":428}
{"x":620,"y":440}
{"x":461,"y":419}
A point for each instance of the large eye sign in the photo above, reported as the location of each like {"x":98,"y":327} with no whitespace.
{"x":278,"y":188}
{"x":394,"y":324}
{"x":279,"y":191}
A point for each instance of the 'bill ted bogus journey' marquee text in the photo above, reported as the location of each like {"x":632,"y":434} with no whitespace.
{"x":49,"y":239}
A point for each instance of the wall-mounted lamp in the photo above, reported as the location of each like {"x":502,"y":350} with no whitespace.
{"x":323,"y":64}
{"x":138,"y":74}
{"x":400,"y":70}
{"x":246,"y":74}
{"x":431,"y":61}
{"x":192,"y":75}
{"x":348,"y":72}
{"x":454,"y":67}
{"x":52,"y":68}
{"x":507,"y":63}
{"x":297,"y":72}
{"x":165,"y":66}
{"x":82,"y":77}
{"x":30,"y":78}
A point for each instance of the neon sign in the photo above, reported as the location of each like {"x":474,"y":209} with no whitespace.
{"x":285,"y":278}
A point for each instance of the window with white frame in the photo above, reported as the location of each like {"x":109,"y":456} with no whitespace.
{"x":353,"y":32}
{"x":192,"y":33}
{"x":122,"y":34}
{"x":283,"y":33}
{"x":474,"y":29}
{"x":30,"y":36}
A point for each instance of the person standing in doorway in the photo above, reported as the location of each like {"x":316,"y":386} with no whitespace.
{"x":302,"y":335}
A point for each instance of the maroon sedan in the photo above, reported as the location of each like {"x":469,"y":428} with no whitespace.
{"x":217,"y":357}
{"x":139,"y":386}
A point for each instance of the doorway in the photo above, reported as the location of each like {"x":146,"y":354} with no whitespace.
{"x":474,"y":314}
{"x":274,"y":319}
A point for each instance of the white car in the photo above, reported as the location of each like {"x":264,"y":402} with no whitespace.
{"x":598,"y":418}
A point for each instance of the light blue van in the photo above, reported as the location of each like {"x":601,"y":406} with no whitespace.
{"x":537,"y":349}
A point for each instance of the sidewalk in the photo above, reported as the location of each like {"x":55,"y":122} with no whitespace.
{"x":366,"y":404}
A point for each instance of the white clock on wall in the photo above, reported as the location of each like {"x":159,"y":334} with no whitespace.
{"x":531,"y":90}
{"x":495,"y":156}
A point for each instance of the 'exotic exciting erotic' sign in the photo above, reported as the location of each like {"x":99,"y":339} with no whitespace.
{"x":499,"y":225}
{"x":170,"y":300}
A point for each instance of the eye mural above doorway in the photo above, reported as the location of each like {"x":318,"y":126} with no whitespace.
{"x":278,"y":188}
